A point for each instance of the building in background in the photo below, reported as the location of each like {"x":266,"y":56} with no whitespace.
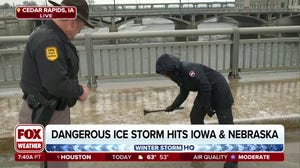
{"x":294,"y":4}
{"x":267,"y":4}
{"x":241,"y":4}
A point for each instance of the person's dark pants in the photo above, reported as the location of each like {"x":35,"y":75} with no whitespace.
{"x":224,"y":117}
{"x":197,"y":114}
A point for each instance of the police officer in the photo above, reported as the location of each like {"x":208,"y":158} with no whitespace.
{"x":214,"y":94}
{"x":50,"y":69}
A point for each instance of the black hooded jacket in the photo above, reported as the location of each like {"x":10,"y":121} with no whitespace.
{"x":211,"y":86}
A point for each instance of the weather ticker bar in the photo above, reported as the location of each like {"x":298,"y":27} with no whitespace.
{"x":109,"y":156}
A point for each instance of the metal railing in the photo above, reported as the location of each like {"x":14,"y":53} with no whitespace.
{"x":133,"y":54}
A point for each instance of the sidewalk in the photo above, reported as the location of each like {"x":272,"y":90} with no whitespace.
{"x":260,"y":98}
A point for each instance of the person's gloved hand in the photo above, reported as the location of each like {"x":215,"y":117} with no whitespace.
{"x":209,"y":111}
{"x":169,"y":108}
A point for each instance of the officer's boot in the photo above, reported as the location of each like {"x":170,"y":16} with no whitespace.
{"x":231,"y":165}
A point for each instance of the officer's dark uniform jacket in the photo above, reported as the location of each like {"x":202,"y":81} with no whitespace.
{"x":210,"y":84}
{"x":50,"y":65}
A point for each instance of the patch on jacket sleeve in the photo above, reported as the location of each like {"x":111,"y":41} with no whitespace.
{"x":192,"y":74}
{"x":51,"y":53}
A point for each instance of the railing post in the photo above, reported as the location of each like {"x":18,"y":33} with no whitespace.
{"x":234,"y":54}
{"x":90,"y":60}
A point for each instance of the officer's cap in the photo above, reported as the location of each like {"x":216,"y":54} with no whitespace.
{"x":82,"y":9}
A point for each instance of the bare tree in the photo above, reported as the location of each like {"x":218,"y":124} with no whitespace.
{"x":90,"y":2}
{"x":29,"y":3}
{"x":5,"y":6}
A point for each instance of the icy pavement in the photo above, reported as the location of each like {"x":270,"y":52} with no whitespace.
{"x":260,"y":98}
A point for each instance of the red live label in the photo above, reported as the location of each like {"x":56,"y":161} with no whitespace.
{"x":29,"y":138}
{"x":46,"y":12}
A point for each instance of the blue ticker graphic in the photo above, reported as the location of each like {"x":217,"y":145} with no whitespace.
{"x":164,"y":148}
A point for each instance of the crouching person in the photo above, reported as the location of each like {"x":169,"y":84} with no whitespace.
{"x":214,"y":94}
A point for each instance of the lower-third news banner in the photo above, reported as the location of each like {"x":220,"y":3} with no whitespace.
{"x":149,"y":142}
